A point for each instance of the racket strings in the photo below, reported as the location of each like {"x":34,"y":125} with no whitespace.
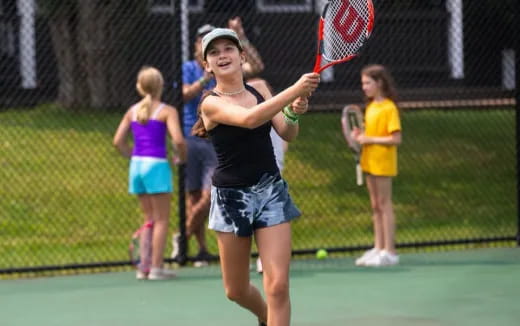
{"x":347,"y":26}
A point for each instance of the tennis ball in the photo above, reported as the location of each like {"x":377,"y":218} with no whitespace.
{"x":321,"y":254}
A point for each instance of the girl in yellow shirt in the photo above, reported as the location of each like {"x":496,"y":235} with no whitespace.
{"x":380,"y":139}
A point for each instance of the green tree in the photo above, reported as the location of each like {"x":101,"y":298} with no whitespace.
{"x":92,"y":42}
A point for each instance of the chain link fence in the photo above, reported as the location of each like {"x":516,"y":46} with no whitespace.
{"x":67,"y":74}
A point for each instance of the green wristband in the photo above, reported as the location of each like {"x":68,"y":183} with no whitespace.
{"x":288,"y":112}
{"x":290,"y":121}
{"x":289,"y":116}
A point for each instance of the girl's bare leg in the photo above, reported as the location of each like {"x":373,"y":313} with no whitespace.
{"x":161,"y":211}
{"x":234,"y":262}
{"x":274,"y":245}
{"x":199,"y":211}
{"x":377,"y":214}
{"x":146,"y":236}
{"x":384,"y":186}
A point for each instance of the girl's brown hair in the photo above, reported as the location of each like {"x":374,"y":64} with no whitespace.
{"x":380,"y":74}
{"x":198,"y":128}
{"x":150,"y":85}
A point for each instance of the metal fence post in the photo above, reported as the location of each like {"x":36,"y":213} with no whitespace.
{"x":517,"y":116}
{"x":178,"y":102}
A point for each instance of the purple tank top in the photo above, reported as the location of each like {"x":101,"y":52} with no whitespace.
{"x":149,"y":138}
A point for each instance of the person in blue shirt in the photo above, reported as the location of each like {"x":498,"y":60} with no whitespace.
{"x":201,"y":160}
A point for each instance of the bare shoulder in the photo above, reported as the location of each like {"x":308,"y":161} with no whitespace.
{"x":167,"y":112}
{"x":170,"y":108}
{"x":129,"y":111}
{"x":132,"y":107}
{"x":209,"y":101}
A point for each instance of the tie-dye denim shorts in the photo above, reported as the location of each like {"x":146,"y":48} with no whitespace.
{"x":243,"y":210}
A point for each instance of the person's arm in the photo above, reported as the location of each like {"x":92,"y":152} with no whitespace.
{"x":287,"y":131}
{"x":192,"y":84}
{"x":284,"y":127}
{"x":120,"y":140}
{"x":286,"y":122}
{"x":174,"y":129}
{"x":393,"y":139}
{"x":254,"y":64}
{"x":393,"y":127}
{"x":216,"y":110}
{"x":190,"y":91}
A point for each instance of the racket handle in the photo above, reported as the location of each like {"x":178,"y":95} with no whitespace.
{"x":317,"y":63}
{"x":359,"y":175}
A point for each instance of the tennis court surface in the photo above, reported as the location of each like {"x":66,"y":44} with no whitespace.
{"x":470,"y":287}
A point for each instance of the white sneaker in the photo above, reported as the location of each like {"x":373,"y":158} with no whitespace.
{"x":175,"y":244}
{"x":384,"y":258}
{"x":259,"y":268}
{"x":140,"y":275}
{"x":369,"y":254}
{"x":159,"y":274}
{"x":374,"y":260}
{"x":388,"y":258}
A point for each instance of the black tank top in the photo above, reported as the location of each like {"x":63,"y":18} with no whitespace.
{"x":243,"y":154}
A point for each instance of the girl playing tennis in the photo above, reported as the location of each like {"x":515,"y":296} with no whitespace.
{"x":379,"y":161}
{"x":150,"y":175}
{"x":248,"y":195}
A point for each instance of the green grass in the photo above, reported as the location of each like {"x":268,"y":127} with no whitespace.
{"x":457,"y":179}
{"x":64,"y":195}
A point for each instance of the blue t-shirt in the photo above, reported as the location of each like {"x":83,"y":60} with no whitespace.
{"x":191,"y":72}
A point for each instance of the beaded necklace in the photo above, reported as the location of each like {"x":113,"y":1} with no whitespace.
{"x":230,"y":93}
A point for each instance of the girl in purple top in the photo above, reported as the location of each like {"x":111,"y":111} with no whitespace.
{"x":150,"y":175}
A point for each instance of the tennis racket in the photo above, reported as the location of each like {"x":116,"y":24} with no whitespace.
{"x":352,"y":118}
{"x":140,"y":248}
{"x":344,"y":27}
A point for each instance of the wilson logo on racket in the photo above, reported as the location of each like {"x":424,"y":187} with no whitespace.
{"x":350,"y":24}
{"x":344,"y":27}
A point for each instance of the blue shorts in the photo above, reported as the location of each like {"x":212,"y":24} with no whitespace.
{"x":149,"y":175}
{"x":200,"y":165}
{"x":243,"y":210}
